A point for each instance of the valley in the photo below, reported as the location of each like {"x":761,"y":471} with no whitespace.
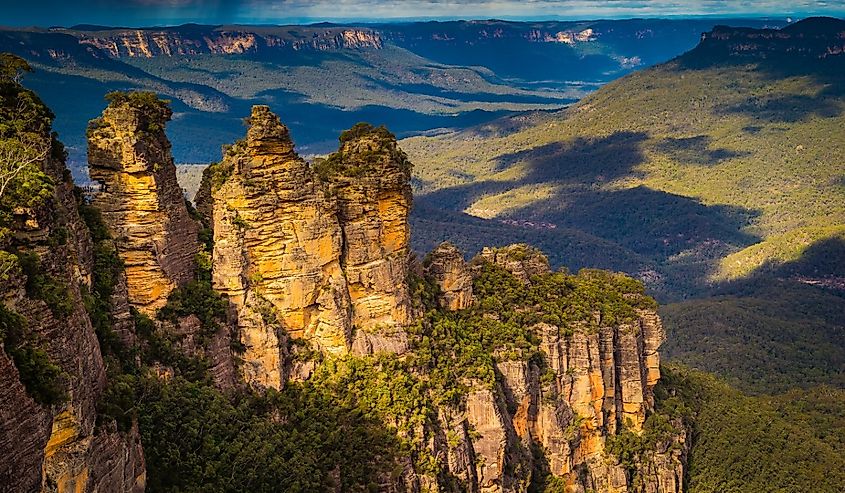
{"x":561,"y":257}
{"x":413,"y":77}
{"x":715,"y":178}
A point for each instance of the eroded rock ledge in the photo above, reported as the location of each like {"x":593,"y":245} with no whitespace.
{"x":594,"y":382}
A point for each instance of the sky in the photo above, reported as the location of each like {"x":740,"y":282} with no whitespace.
{"x":170,"y":12}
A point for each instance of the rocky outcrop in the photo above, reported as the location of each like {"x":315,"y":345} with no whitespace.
{"x":446,"y":266}
{"x":49,"y":436}
{"x":317,"y":254}
{"x":24,"y":430}
{"x":140,"y":200}
{"x":558,"y":414}
{"x":596,"y":384}
{"x":500,"y":463}
{"x":521,"y":260}
{"x":371,"y":179}
{"x":277,"y":251}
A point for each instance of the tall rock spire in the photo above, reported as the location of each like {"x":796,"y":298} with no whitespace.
{"x":318,"y":254}
{"x":141,"y":202}
{"x":371,"y":178}
{"x":277,"y":250}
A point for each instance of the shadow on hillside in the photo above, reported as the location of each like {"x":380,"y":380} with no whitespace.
{"x":590,"y":159}
{"x":777,"y":328}
{"x":822,"y":263}
{"x":508,"y":125}
{"x":580,"y":162}
{"x":647,"y":221}
{"x":696,"y":150}
{"x":643,"y":221}
{"x":790,"y":108}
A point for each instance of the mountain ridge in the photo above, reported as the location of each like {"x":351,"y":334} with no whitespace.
{"x":414,"y":83}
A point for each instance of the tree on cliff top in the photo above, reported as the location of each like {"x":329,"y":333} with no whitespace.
{"x":156,"y":111}
{"x":12,"y":68}
{"x":24,"y":136}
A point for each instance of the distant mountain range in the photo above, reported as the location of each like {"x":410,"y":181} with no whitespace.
{"x":413,"y":77}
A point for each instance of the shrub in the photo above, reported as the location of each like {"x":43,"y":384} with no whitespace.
{"x":43,"y":286}
{"x":195,"y":298}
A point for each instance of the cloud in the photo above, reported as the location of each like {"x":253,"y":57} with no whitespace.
{"x":270,"y":9}
{"x":150,"y":12}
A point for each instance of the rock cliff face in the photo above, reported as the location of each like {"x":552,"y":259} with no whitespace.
{"x":149,"y":43}
{"x":446,"y":266}
{"x":593,"y":385}
{"x":314,"y":255}
{"x":371,"y":178}
{"x":277,"y":250}
{"x":56,"y":444}
{"x":806,"y":41}
{"x":141,"y":202}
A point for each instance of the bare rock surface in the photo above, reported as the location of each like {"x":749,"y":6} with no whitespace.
{"x":141,"y":202}
{"x":447,"y":267}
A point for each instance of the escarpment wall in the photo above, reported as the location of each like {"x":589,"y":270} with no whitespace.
{"x":558,"y":418}
{"x":58,"y":445}
{"x":150,"y":43}
{"x":141,"y":201}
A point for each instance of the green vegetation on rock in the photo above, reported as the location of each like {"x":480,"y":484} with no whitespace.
{"x":26,"y":145}
{"x":362,"y":148}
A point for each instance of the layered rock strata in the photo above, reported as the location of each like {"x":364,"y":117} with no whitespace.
{"x":140,"y":200}
{"x":318,"y":254}
{"x":277,"y":250}
{"x":150,"y":43}
{"x":58,"y":446}
{"x":371,"y":179}
{"x":593,"y":384}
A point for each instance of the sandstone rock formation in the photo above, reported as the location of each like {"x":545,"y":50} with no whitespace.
{"x":594,"y":382}
{"x":318,"y":254}
{"x":371,"y":178}
{"x":141,"y":202}
{"x":598,"y":384}
{"x":521,"y":260}
{"x":277,"y":250}
{"x":447,"y":267}
{"x":316,"y":257}
{"x":58,"y":447}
